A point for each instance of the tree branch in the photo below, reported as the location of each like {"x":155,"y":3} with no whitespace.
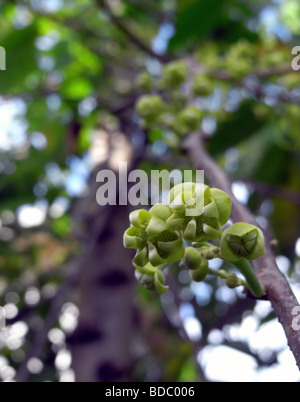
{"x":253,"y":82}
{"x":271,"y":190}
{"x":277,"y":287}
{"x":259,"y":73}
{"x":138,"y":42}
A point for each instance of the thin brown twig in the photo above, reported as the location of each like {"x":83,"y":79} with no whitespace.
{"x":253,"y":83}
{"x":259,"y":73}
{"x":123,"y":27}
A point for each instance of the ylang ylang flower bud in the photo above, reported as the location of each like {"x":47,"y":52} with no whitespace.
{"x":151,"y":278}
{"x":199,"y":212}
{"x":242,"y":241}
{"x":150,"y":234}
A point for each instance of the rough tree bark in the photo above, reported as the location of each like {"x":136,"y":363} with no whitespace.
{"x":101,"y":345}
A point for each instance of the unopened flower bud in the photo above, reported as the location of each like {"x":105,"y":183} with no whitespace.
{"x":188,"y":120}
{"x":210,"y":252}
{"x":144,"y":82}
{"x":146,"y":280}
{"x":175,"y":74}
{"x":232,"y":281}
{"x":203,"y":86}
{"x":242,"y":240}
{"x":199,"y":275}
{"x":192,"y":258}
{"x":150,"y":108}
{"x":151,"y":278}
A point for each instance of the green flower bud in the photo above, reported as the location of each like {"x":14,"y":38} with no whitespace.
{"x":175,"y":74}
{"x":232,"y":281}
{"x":199,"y":274}
{"x":199,"y":212}
{"x":192,"y":258}
{"x":159,"y":282}
{"x":154,"y":240}
{"x":150,"y":108}
{"x":224,"y":204}
{"x":239,"y":60}
{"x":203,"y":86}
{"x":188,"y":120}
{"x":151,"y":278}
{"x":146,"y":280}
{"x":242,"y":241}
{"x":144,"y":81}
{"x":210,"y":252}
{"x":177,"y":102}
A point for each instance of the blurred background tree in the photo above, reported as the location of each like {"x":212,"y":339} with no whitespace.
{"x":75,"y":70}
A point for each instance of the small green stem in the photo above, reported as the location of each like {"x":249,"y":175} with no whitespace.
{"x":204,"y":244}
{"x":220,"y":274}
{"x":253,"y":283}
{"x":223,"y":275}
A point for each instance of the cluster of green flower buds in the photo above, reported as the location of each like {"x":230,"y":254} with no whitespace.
{"x":167,"y":106}
{"x":153,"y":238}
{"x":239,"y":60}
{"x":195,"y":214}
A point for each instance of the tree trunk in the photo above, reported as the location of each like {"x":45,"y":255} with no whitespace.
{"x":101,"y":346}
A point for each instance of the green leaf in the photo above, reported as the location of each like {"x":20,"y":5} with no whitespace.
{"x":77,"y":88}
{"x":195,"y":20}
